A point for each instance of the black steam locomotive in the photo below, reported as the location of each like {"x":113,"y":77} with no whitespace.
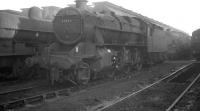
{"x":89,"y":41}
{"x":21,"y":37}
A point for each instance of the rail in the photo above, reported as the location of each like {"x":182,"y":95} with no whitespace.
{"x":183,"y":93}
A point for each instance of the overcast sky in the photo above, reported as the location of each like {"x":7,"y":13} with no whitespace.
{"x":181,"y":14}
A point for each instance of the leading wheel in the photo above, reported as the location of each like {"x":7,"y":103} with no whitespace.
{"x":53,"y":72}
{"x":138,"y":61}
{"x":55,"y":75}
{"x":83,"y":73}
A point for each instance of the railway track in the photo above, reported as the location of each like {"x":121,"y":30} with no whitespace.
{"x":170,"y":108}
{"x":32,"y":96}
{"x":165,"y":90}
{"x":28,"y":96}
{"x":15,"y":86}
{"x":189,"y":101}
{"x":18,"y":90}
{"x":35,"y":98}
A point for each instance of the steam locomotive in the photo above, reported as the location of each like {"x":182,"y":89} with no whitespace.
{"x":195,"y":43}
{"x":21,"y":37}
{"x":89,"y":42}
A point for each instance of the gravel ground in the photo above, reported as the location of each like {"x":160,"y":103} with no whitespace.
{"x":104,"y":93}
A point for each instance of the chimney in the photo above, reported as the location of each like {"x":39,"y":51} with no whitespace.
{"x":81,"y":4}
